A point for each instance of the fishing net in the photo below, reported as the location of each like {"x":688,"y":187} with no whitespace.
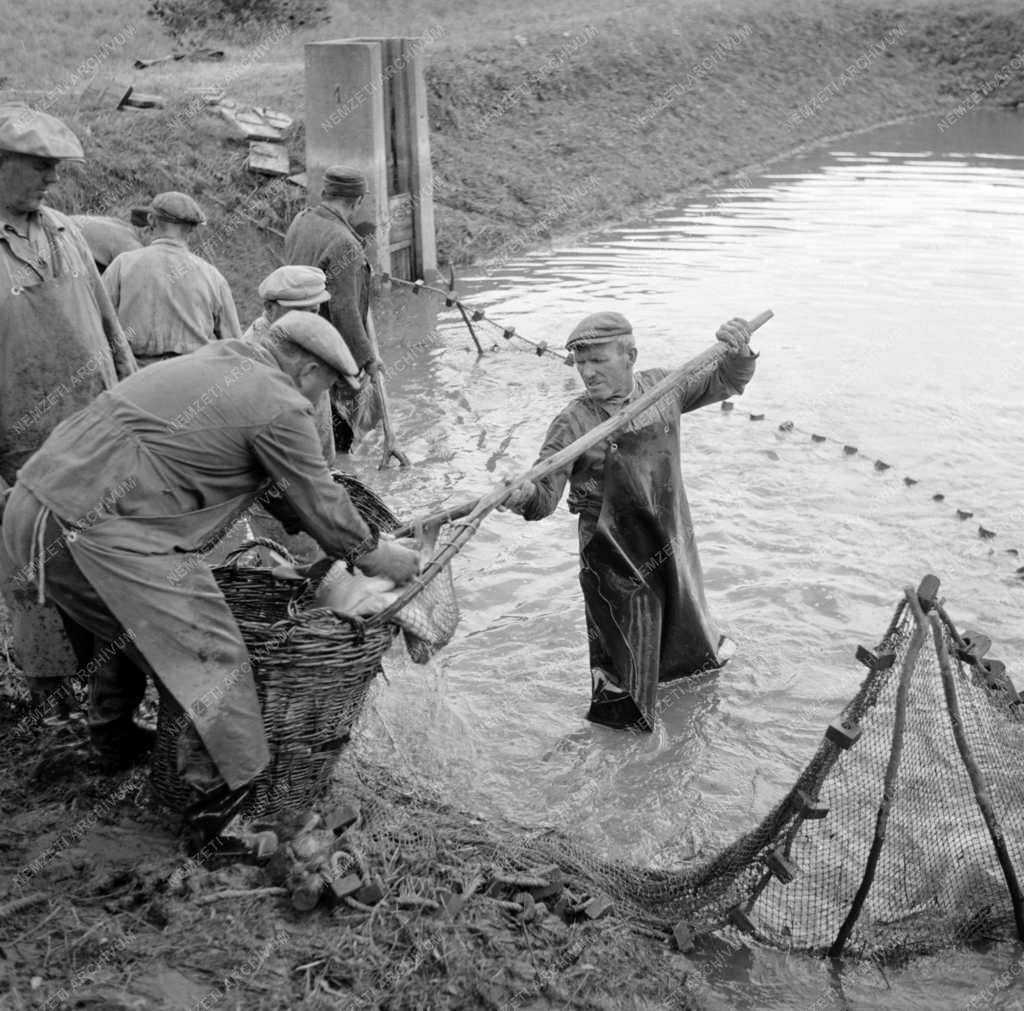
{"x":899,"y":837}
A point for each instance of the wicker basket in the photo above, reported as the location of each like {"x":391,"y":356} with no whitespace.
{"x":312,"y":671}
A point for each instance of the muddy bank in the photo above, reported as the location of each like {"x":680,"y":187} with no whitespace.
{"x":568,"y":133}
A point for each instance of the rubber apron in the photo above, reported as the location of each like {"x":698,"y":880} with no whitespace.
{"x":54,"y":359}
{"x":647,"y":619}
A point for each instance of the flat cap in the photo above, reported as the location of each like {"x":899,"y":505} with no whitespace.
{"x":177,"y":207}
{"x":28,"y":131}
{"x":598,"y":328}
{"x":343,"y":181}
{"x":314,"y":334}
{"x":295,"y":287}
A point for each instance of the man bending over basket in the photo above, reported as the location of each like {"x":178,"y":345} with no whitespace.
{"x":112,"y":514}
{"x":647,"y":620}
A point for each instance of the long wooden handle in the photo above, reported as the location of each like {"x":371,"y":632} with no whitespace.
{"x":690,"y":370}
{"x":390,"y":449}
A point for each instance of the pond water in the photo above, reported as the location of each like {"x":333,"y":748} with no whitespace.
{"x":892,"y":261}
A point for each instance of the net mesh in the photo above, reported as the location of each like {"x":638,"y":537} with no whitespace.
{"x":899,"y":837}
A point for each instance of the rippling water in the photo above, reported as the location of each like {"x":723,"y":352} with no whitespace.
{"x":893,"y":262}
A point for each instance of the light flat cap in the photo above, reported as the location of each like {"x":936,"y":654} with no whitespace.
{"x":343,"y":181}
{"x":598,"y":328}
{"x":177,"y":207}
{"x":28,"y":131}
{"x":314,"y":334}
{"x":295,"y":287}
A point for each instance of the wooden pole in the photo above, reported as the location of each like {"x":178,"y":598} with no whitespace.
{"x":891,"y":771}
{"x":690,"y":371}
{"x":981,"y":791}
{"x":475,"y":511}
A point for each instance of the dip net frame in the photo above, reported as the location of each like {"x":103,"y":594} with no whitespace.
{"x":902,"y":835}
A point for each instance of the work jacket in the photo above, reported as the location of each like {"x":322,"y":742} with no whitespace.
{"x":169,"y":300}
{"x":150,"y":476}
{"x":318,"y":237}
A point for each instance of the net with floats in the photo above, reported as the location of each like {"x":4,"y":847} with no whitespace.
{"x":903,"y":835}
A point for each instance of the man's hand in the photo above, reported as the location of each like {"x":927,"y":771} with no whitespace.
{"x":519,"y":498}
{"x":374,"y":366}
{"x":736,"y":336}
{"x":390,"y":560}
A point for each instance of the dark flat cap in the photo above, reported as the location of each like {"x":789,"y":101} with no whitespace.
{"x":343,"y":181}
{"x":599,"y":327}
{"x":28,"y":131}
{"x":177,"y":207}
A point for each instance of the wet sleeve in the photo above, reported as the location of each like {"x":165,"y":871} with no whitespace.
{"x":561,"y":432}
{"x":344,"y":269}
{"x":728,"y":378}
{"x":304,"y":494}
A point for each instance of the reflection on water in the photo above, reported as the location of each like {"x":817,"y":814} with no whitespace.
{"x":893,"y":265}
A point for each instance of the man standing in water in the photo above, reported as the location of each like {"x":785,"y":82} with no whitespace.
{"x":324,"y":236}
{"x":647,"y":620}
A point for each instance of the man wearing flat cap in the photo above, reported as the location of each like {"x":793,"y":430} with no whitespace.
{"x":647,"y":619}
{"x":60,"y":346}
{"x":324,"y":237}
{"x":187,"y":445}
{"x":169,"y":300}
{"x":295,"y":288}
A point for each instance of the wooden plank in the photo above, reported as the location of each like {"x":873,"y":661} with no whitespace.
{"x":103,"y":92}
{"x":142,"y":100}
{"x":421,"y":183}
{"x":268,"y":159}
{"x":250,"y":125}
{"x":278,"y":120}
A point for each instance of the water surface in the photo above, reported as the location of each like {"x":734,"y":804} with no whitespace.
{"x":893,"y":262}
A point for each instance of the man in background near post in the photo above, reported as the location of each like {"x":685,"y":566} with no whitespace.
{"x":60,"y":346}
{"x":324,"y":237}
{"x":169,"y":300}
{"x":647,"y":619}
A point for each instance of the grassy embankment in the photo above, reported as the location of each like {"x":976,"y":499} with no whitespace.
{"x":546,"y":121}
{"x":593,"y":117}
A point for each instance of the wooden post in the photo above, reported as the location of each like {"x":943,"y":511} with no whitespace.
{"x":345,"y":125}
{"x":366,"y":106}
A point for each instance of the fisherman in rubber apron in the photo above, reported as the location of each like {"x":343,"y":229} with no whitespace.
{"x":60,"y":346}
{"x":113,"y":514}
{"x":647,"y":619}
{"x":324,"y":236}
